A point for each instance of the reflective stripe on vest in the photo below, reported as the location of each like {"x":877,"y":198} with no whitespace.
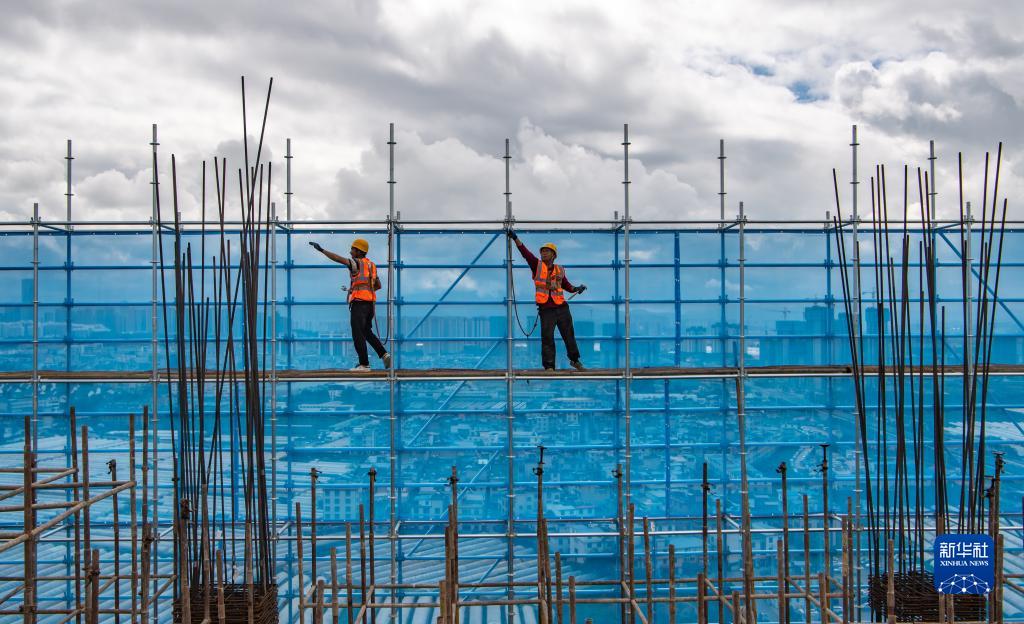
{"x":548,"y":283}
{"x":363,"y":279}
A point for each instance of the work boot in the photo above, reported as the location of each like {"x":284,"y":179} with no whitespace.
{"x":577,"y":365}
{"x":386,"y":358}
{"x":360,"y":368}
{"x":549,"y":369}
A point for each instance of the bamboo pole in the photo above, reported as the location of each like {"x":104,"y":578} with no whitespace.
{"x":781,"y":580}
{"x":94,"y":607}
{"x":299,"y":555}
{"x":334,"y":586}
{"x":313,"y":477}
{"x":672,"y":586}
{"x":807,"y":564}
{"x":558,"y":584}
{"x":29,"y":596}
{"x":112,"y":466}
{"x":823,"y":597}
{"x":133,"y":517}
{"x":572,"y":600}
{"x":348,"y":569}
{"x":373,"y":480}
{"x":647,"y":570}
{"x":84,"y":478}
{"x":719,"y":548}
{"x":362,"y":564}
{"x":319,"y":613}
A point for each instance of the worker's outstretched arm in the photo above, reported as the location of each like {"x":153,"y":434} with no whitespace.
{"x":332,"y":255}
{"x":523,"y":251}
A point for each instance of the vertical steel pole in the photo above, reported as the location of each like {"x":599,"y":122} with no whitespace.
{"x":509,"y":393}
{"x":68,"y":266}
{"x":625,"y":308}
{"x":67,"y":340}
{"x":154,"y":377}
{"x":721,"y":229}
{"x":288,"y":264}
{"x":931,"y":168}
{"x":721,"y":180}
{"x":396,"y":359}
{"x":678,"y":296}
{"x":33,"y":431}
{"x":273,"y":369}
{"x":723,"y":331}
{"x":67,"y":193}
{"x":855,"y":220}
{"x":288,"y":181}
{"x":741,"y":423}
{"x":392,"y":488}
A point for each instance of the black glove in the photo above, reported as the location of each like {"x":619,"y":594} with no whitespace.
{"x":511,"y":234}
{"x":581,"y":288}
{"x":316,"y":246}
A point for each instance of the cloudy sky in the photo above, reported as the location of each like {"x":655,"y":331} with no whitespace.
{"x":780,"y":82}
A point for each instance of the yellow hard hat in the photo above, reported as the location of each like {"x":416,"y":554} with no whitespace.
{"x":361,"y":245}
{"x":550,"y":246}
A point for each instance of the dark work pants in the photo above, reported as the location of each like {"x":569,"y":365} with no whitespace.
{"x":362,"y":330}
{"x":550,"y":318}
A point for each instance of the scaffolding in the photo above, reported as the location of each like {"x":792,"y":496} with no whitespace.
{"x":731,"y":369}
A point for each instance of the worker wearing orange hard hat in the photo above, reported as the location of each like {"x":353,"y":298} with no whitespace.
{"x":550,"y":286}
{"x":362,"y":300}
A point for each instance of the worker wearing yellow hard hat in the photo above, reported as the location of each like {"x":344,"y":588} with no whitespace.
{"x":550,"y":286}
{"x":362,"y":300}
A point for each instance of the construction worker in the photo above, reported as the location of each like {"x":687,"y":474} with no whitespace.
{"x":550,"y":284}
{"x":362,"y":300}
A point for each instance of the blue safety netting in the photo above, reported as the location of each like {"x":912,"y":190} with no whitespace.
{"x":96,"y":314}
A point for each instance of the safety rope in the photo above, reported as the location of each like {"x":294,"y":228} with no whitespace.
{"x":376,"y":326}
{"x":515,"y":307}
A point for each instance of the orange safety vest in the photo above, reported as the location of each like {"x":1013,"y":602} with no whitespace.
{"x":548,"y":283}
{"x":363,"y":279}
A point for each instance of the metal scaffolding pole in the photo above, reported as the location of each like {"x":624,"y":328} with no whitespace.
{"x":155,"y":378}
{"x":273,"y":365}
{"x":33,"y":432}
{"x":288,"y":181}
{"x":509,"y":399}
{"x":721,"y":180}
{"x":855,"y":220}
{"x":68,"y":267}
{"x":392,"y":383}
{"x":68,"y":303}
{"x":931,"y":169}
{"x":289,"y":264}
{"x":741,"y":426}
{"x":723,"y":331}
{"x":627,"y":381}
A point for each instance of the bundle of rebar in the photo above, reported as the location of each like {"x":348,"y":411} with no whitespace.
{"x":220,"y":473}
{"x":906,"y":370}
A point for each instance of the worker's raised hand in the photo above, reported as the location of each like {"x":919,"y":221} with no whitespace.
{"x":581,"y":288}
{"x":512,"y":234}
{"x":316,"y":246}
